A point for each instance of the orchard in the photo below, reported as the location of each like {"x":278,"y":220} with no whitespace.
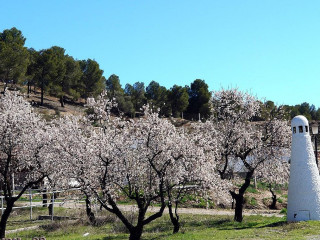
{"x":148,"y":159}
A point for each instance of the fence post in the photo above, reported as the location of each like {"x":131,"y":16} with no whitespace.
{"x":52,"y":204}
{"x":30,"y":199}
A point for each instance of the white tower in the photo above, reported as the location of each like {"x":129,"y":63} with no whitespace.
{"x":304,"y":183}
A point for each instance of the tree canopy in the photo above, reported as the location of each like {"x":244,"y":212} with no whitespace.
{"x":54,"y":72}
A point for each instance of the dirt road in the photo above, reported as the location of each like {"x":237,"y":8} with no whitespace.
{"x":200,"y":211}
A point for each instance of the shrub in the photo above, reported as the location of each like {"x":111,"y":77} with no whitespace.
{"x":253,"y":201}
{"x":283,"y":211}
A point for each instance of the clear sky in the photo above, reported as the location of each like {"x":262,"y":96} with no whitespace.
{"x":270,"y":48}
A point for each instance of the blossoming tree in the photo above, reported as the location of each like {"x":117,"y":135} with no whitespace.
{"x":194,"y":173}
{"x":24,"y":150}
{"x":274,"y":172}
{"x":244,"y":143}
{"x":135,"y":163}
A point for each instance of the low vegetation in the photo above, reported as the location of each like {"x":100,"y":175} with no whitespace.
{"x":192,"y":227}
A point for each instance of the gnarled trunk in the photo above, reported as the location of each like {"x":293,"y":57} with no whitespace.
{"x":174,"y":219}
{"x":4,"y":218}
{"x":274,"y":198}
{"x":238,"y":217}
{"x":90,"y":214}
{"x":239,"y":197}
{"x":136,"y":233}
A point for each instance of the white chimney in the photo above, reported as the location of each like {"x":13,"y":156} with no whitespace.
{"x":304,"y":183}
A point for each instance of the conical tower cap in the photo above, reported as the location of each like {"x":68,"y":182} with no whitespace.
{"x":299,"y":120}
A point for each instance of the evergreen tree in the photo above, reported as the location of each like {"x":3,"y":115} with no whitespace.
{"x":31,"y":69}
{"x":57,"y":86}
{"x":92,"y":81}
{"x":115,"y":91}
{"x":71,"y":82}
{"x":113,"y":86}
{"x":137,"y":94}
{"x":13,"y":56}
{"x":179,"y":100}
{"x":199,"y":97}
{"x":50,"y":69}
{"x":157,"y":98}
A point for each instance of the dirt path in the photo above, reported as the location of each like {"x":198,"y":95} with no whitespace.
{"x":22,"y":229}
{"x":202,"y":211}
{"x":199,"y":211}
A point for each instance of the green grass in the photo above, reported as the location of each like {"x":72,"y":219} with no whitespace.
{"x":283,"y":211}
{"x":20,"y":218}
{"x":262,"y":185}
{"x":253,"y":201}
{"x":252,"y":189}
{"x":202,"y":227}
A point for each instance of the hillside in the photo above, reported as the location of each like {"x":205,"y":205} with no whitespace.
{"x":51,"y":106}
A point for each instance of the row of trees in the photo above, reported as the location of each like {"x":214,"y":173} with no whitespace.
{"x":148,"y":159}
{"x":177,"y":101}
{"x":59,"y":74}
{"x":50,"y":69}
{"x":309,"y":111}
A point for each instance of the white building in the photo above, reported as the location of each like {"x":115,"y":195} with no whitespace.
{"x":304,"y":183}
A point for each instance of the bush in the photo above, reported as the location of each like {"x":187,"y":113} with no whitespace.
{"x":262,"y":185}
{"x":266,"y":201}
{"x":283,"y":211}
{"x":251,"y":189}
{"x":253,"y":201}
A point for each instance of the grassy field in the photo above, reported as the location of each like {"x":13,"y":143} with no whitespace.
{"x":200,"y":227}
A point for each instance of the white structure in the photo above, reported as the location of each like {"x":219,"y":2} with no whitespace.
{"x":304,"y":183}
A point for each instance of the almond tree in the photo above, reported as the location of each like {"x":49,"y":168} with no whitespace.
{"x":135,"y":163}
{"x":143,"y":159}
{"x":24,"y":150}
{"x":77,"y":147}
{"x":243,"y":142}
{"x":274,"y":171}
{"x":130,"y":158}
{"x":74,"y":148}
{"x":195,"y":172}
{"x":140,"y":159}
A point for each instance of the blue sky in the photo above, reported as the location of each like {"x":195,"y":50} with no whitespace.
{"x":269,"y":48}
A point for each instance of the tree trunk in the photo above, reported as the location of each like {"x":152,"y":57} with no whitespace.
{"x":232,"y":203}
{"x":4,"y":218}
{"x":274,"y":199}
{"x":89,"y":212}
{"x":50,"y":207}
{"x":240,"y":196}
{"x":4,"y":88}
{"x":239,"y":208}
{"x":136,"y":233}
{"x":44,"y":199}
{"x":174,"y":219}
{"x":42,"y":92}
{"x":29,"y":89}
{"x":61,"y":101}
